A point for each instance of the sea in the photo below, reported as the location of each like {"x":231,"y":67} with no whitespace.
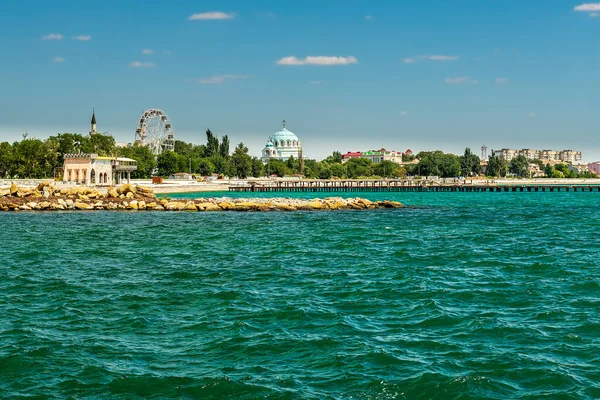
{"x":455,"y":296}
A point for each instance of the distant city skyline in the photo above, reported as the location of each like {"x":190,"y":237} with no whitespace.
{"x":346,"y":75}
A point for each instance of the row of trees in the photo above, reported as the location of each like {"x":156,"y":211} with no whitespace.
{"x":35,"y":158}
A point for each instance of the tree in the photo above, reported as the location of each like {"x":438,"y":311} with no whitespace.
{"x":258,"y":168}
{"x":166,"y":163}
{"x":276,"y":167}
{"x":520,"y":166}
{"x":205,"y":167}
{"x":224,"y":147}
{"x":386,"y":169}
{"x":6,"y":159}
{"x":337,"y":170}
{"x":497,"y":166}
{"x":359,"y":167}
{"x":293,"y":165}
{"x":241,"y":161}
{"x":146,"y":162}
{"x":470,"y":164}
{"x":335,"y":157}
{"x":212,"y":144}
{"x":548,"y":171}
{"x":325,"y":172}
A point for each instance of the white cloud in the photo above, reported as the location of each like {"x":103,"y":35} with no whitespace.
{"x":315,"y":82}
{"x":138,"y":64}
{"x":404,"y":113}
{"x":83,"y":38}
{"x":211,"y":15}
{"x":53,"y":36}
{"x":435,"y":57}
{"x":588,"y":7}
{"x":58,"y":59}
{"x":501,"y":81}
{"x":217,"y":79}
{"x":532,"y":115}
{"x":317,"y":60}
{"x":147,"y":51}
{"x":460,"y":80}
{"x":368,"y":17}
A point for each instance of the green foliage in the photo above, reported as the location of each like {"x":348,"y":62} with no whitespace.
{"x":6,"y":159}
{"x":359,"y":167}
{"x":146,"y":162}
{"x":241,"y":161}
{"x":337,"y":170}
{"x":277,"y":167}
{"x":496,"y":166}
{"x":438,"y":163}
{"x":470,"y":164}
{"x":520,"y":166}
{"x":166,"y":163}
{"x":336,"y":157}
{"x":224,"y":147}
{"x":388,"y":169}
{"x":258,"y":168}
{"x":212,"y":144}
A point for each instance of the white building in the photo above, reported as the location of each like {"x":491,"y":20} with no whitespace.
{"x":282,"y":145}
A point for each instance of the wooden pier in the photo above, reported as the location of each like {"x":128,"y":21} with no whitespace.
{"x":402,"y":185}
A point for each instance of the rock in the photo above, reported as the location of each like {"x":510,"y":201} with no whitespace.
{"x":55,"y":206}
{"x":24,"y":207}
{"x":14,"y":189}
{"x":130,"y":195}
{"x":69,"y":203}
{"x":212,"y":207}
{"x":32,"y":204}
{"x":112,"y":192}
{"x":82,"y":206}
{"x":141,"y":205}
{"x":45,"y":205}
{"x":43,"y":185}
{"x":190,"y":206}
{"x":151,"y":206}
{"x":133,"y":205}
{"x":126,"y":188}
{"x":83,"y":197}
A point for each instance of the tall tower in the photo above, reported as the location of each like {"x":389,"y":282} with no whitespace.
{"x":93,"y":131}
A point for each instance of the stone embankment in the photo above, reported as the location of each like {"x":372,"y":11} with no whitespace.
{"x":45,"y":197}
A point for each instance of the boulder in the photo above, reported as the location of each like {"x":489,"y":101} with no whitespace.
{"x":130,"y":195}
{"x":14,"y":189}
{"x":82,"y":206}
{"x":112,"y":192}
{"x":141,"y":205}
{"x":126,"y":188}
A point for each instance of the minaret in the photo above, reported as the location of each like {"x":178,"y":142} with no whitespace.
{"x":93,"y":131}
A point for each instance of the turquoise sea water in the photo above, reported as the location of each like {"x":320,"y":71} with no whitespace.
{"x":461,"y":295}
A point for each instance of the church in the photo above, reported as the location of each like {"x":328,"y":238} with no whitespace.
{"x":282,"y":145}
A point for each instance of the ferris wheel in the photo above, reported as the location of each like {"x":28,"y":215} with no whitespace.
{"x":154,"y":130}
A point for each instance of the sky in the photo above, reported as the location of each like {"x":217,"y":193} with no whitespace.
{"x":346,"y":75}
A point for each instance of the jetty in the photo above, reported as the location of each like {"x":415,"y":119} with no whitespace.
{"x":46,"y":197}
{"x":405,"y":185}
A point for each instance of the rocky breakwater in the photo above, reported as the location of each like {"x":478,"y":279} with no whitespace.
{"x":45,"y":197}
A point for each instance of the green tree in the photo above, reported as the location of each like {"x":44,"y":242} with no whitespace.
{"x":497,"y":166}
{"x":359,"y":167}
{"x":205,"y":167}
{"x":386,"y":169}
{"x":548,"y":171}
{"x":212,"y":144}
{"x":277,"y":167}
{"x":520,"y":166}
{"x":337,"y":170}
{"x":6,"y":159}
{"x":470,"y":164}
{"x":335,"y":157}
{"x":224,"y":147}
{"x":242,"y":162}
{"x":258,"y":168}
{"x":293,"y":165}
{"x":166,"y":163}
{"x":325,"y":172}
{"x":146,"y":162}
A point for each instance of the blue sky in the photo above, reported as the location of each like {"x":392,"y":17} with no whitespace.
{"x":352,"y":75}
